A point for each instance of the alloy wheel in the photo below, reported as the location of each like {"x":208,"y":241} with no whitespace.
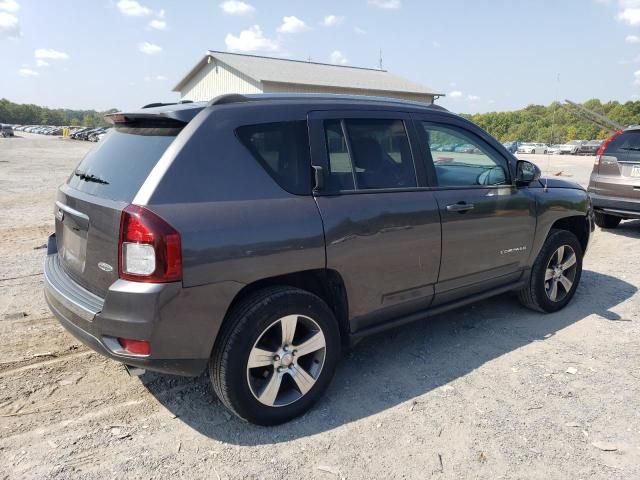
{"x":286,"y":360}
{"x":560,"y":273}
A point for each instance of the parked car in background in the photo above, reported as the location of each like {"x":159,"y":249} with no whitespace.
{"x":532,"y":148}
{"x":571,"y":147}
{"x":93,"y":136}
{"x":236,"y":244}
{"x":554,"y":149}
{"x":615,"y":180}
{"x":512,"y":147}
{"x":6,"y":130}
{"x":590,"y":148}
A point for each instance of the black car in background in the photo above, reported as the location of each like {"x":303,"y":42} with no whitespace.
{"x":589,"y":148}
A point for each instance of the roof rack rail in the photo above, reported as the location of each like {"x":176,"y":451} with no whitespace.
{"x":228,"y":98}
{"x":159,"y":104}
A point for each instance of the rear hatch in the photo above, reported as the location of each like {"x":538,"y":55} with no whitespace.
{"x":89,"y":205}
{"x":619,"y":167}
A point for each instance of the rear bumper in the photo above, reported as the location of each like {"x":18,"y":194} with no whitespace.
{"x":181,"y":324}
{"x":621,"y":207}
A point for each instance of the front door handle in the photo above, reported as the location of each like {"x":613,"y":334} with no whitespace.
{"x":460,"y":207}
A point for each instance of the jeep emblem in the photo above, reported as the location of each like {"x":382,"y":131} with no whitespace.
{"x":105,"y":267}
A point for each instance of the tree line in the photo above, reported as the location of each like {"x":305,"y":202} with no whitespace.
{"x":555,"y":123}
{"x":535,"y":123}
{"x":28,"y":114}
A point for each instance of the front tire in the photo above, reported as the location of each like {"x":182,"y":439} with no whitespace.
{"x":275,"y":355}
{"x":555,"y":274}
{"x":606,"y":221}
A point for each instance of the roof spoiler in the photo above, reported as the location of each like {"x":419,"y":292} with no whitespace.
{"x":136,"y":119}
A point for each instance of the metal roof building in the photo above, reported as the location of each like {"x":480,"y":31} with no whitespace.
{"x":218,"y":73}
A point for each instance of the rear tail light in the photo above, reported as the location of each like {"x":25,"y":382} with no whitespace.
{"x":604,"y":146}
{"x":149,"y":249}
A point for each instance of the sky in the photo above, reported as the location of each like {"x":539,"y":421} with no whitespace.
{"x":485,"y":55}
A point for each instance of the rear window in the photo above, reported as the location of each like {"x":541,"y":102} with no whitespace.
{"x":118,"y":166}
{"x":282,"y":148}
{"x":624,"y":143}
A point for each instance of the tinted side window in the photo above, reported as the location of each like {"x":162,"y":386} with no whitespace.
{"x":282,"y":148}
{"x":381,"y":154}
{"x":341,"y":175}
{"x":374,"y":155}
{"x":460,"y":160}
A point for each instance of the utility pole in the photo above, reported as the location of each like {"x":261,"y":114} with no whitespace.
{"x":380,"y":60}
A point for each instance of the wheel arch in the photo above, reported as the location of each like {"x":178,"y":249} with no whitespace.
{"x":578,"y":225}
{"x":325,"y":283}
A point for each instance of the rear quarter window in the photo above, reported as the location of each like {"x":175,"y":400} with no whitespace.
{"x":120,"y":163}
{"x":282,"y":148}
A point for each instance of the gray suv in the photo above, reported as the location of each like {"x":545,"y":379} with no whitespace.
{"x":615,"y":179}
{"x":257,"y":236}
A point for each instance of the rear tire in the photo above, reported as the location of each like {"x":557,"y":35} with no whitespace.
{"x":275,"y":355}
{"x":606,"y":221}
{"x":555,"y":274}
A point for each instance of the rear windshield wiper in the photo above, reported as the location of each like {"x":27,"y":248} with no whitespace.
{"x":635,"y":149}
{"x":90,"y":178}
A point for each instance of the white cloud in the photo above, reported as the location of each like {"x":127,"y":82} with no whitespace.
{"x":161,"y":13}
{"x":359,"y":31}
{"x":158,"y":24}
{"x":27,"y":72}
{"x":235,"y":7}
{"x":630,"y":16}
{"x":452,"y":84}
{"x":435,"y":44}
{"x":338,"y":58}
{"x":9,"y":25}
{"x":50,"y":54}
{"x":292,"y":24}
{"x":131,"y":8}
{"x":636,"y":76}
{"x":157,"y":78}
{"x":149,"y":48}
{"x":473,"y":98}
{"x":332,"y":20}
{"x":41,"y":63}
{"x":9,"y":5}
{"x":387,"y":4}
{"x":251,"y":40}
{"x":455,"y":94}
{"x":632,"y":39}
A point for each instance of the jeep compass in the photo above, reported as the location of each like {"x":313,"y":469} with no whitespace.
{"x":257,"y":236}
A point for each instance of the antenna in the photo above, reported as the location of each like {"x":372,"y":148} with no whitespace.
{"x":380,"y":60}
{"x":553,"y":124}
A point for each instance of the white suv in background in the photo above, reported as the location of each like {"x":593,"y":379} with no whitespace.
{"x":533,"y":148}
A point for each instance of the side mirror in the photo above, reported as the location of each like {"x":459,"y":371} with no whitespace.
{"x":526,"y":172}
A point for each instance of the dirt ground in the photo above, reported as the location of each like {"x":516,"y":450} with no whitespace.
{"x":489,"y":391}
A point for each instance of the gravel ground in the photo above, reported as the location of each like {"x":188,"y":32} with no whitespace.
{"x":489,"y":391}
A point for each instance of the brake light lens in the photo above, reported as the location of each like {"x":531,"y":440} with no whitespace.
{"x":149,"y":249}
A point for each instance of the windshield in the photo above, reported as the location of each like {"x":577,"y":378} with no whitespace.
{"x":118,"y":166}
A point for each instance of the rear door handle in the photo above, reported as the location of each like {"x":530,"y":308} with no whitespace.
{"x":460,"y":207}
